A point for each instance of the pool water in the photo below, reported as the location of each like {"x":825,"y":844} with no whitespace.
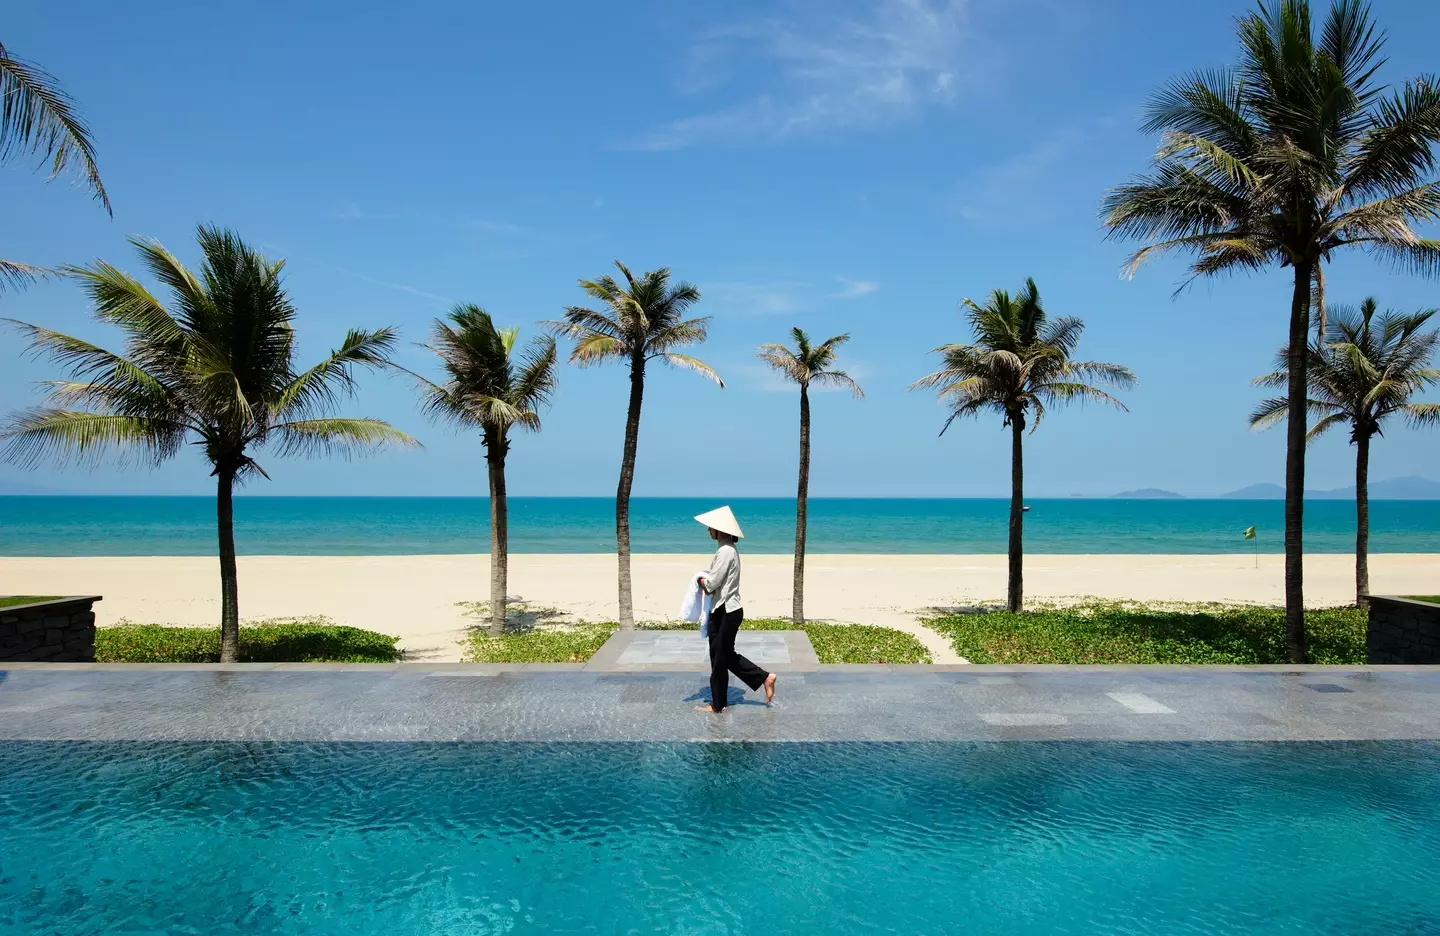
{"x":437,"y":839}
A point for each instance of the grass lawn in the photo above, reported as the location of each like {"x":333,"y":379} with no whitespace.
{"x":9,"y":601}
{"x":542,"y":642}
{"x":300,"y":640}
{"x":1098,"y":632}
{"x":1433,"y":599}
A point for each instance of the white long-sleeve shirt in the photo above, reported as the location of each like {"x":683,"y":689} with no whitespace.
{"x":722,"y":580}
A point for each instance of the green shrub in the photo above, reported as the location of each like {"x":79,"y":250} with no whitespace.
{"x":9,"y":601}
{"x":852,"y":643}
{"x":1099,"y":632}
{"x":303,"y":640}
{"x":575,"y":643}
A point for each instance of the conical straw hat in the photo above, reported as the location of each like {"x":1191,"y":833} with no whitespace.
{"x":722,"y":519}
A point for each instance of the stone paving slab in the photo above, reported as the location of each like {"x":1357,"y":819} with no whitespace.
{"x":687,"y":651}
{"x":495,"y":702}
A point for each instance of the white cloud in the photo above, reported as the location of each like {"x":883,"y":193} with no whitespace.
{"x":851,"y":70}
{"x":400,"y":287}
{"x":493,"y":227}
{"x":1052,"y":173}
{"x":347,"y":210}
{"x":756,"y":298}
{"x":854,"y":289}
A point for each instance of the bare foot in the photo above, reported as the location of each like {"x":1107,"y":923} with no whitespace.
{"x":706,"y":708}
{"x":770,"y":689}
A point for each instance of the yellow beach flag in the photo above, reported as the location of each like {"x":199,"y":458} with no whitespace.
{"x":1249,"y":532}
{"x":1250,"y":535}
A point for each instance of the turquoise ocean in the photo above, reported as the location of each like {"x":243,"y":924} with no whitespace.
{"x":356,"y":526}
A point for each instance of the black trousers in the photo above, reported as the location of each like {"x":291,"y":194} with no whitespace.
{"x":723,"y":627}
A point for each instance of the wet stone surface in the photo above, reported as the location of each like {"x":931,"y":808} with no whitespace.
{"x":819,"y":703}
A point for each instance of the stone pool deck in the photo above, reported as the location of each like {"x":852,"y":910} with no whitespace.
{"x":560,"y":702}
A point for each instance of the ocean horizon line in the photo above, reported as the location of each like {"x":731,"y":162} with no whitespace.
{"x":722,"y":498}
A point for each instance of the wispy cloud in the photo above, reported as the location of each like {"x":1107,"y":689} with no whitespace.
{"x":1038,"y":179}
{"x":401,"y":287}
{"x":854,"y":289}
{"x":347,"y":210}
{"x":864,"y":67}
{"x":756,"y":298}
{"x":493,"y":227}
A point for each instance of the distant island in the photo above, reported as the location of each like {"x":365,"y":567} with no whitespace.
{"x":1410,"y":488}
{"x":1150,"y":494}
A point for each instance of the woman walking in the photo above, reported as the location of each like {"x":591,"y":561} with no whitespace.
{"x":722,"y":583}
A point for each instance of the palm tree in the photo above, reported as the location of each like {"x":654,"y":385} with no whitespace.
{"x":641,"y":321}
{"x":806,"y":365}
{"x":39,"y":121}
{"x":487,"y":388}
{"x":1366,"y":371}
{"x":1019,"y":363}
{"x":216,"y":370}
{"x":1291,"y":155}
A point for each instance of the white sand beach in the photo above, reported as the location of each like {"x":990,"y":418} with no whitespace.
{"x":415,"y":597}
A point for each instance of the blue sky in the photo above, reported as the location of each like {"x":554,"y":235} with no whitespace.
{"x":844,"y":166}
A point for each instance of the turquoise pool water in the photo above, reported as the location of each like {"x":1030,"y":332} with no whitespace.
{"x":440,"y":839}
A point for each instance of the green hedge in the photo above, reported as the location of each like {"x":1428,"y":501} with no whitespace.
{"x":573,"y":644}
{"x":1099,"y":632}
{"x":9,"y":601}
{"x":577,"y":643}
{"x":312,"y":640}
{"x":852,"y":643}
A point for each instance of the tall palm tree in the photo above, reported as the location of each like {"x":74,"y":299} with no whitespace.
{"x":216,"y":370}
{"x":807,"y":365}
{"x":641,"y":320}
{"x":487,"y":388}
{"x":1020,"y":363}
{"x":1291,"y":155}
{"x":39,"y":121}
{"x":1367,"y":370}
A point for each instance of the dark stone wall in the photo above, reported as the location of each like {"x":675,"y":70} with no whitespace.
{"x":1402,"y":631}
{"x":59,"y":631}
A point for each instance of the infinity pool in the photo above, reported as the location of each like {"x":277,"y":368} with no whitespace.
{"x":478,"y":838}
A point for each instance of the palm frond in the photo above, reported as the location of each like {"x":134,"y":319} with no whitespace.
{"x":537,"y":380}
{"x":1074,"y":391}
{"x":120,"y":299}
{"x":41,"y":433}
{"x":332,"y":380}
{"x":839,"y":380}
{"x":337,"y":436}
{"x":784,"y":361}
{"x":18,"y":275}
{"x":580,"y":322}
{"x":686,"y":362}
{"x":1115,"y":375}
{"x":596,"y":349}
{"x":39,"y":120}
{"x":1422,"y":414}
{"x":680,"y":334}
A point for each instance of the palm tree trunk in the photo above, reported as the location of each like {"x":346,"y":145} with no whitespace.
{"x":499,"y":536}
{"x":1015,"y":592}
{"x":1362,"y":520}
{"x":802,"y":508}
{"x":622,"y":493}
{"x":1295,"y":427}
{"x":229,"y":579}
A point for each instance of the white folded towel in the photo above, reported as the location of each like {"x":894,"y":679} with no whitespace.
{"x":695,"y":606}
